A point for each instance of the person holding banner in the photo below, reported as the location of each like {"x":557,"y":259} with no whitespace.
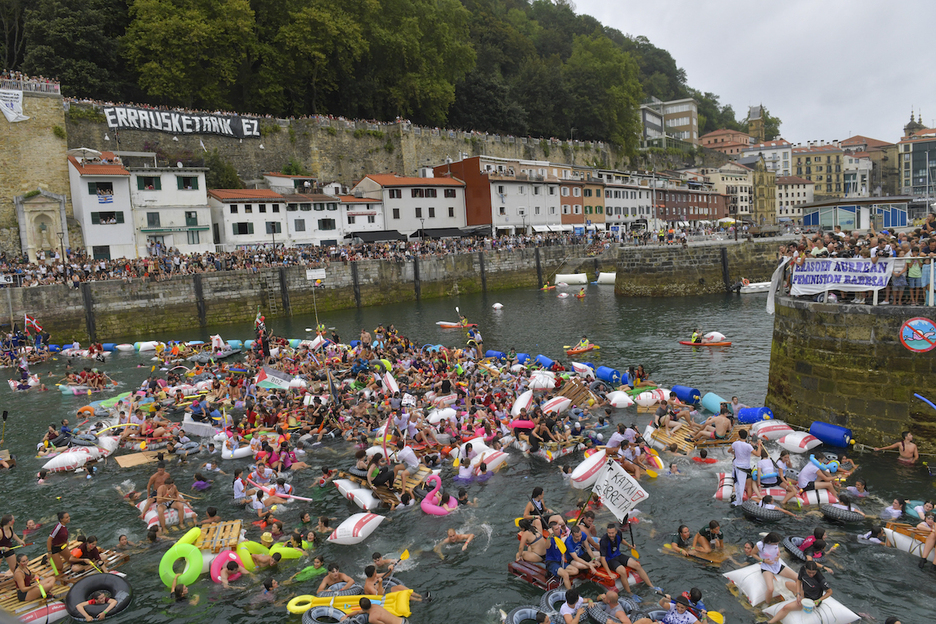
{"x":612,"y":559}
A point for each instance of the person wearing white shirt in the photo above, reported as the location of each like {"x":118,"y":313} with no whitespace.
{"x":742,"y":452}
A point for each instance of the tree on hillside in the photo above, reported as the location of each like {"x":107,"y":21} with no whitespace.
{"x":604,"y":91}
{"x":12,"y":13}
{"x":712,"y":115}
{"x":76,"y":42}
{"x":221,"y":174}
{"x":189,"y":52}
{"x":771,"y":125}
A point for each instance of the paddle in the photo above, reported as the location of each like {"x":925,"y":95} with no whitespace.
{"x":634,"y":553}
{"x":404,"y":555}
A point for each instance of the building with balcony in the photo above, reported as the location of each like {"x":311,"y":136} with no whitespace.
{"x":361,"y":215}
{"x":728,"y":142}
{"x":170,"y":210}
{"x":416,"y":203}
{"x":736,"y":183}
{"x":777,"y":155}
{"x":250,"y":218}
{"x":313,"y":219}
{"x":885,"y":174}
{"x":680,"y":118}
{"x":289,"y":184}
{"x":917,"y":158}
{"x":100,"y":190}
{"x":856,"y":174}
{"x":792,"y":193}
{"x":820,"y":163}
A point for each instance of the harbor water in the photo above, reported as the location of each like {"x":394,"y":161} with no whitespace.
{"x":472,"y":586}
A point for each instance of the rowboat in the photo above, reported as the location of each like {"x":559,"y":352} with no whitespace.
{"x":579,"y":350}
{"x":705,"y":344}
{"x":449,"y":325}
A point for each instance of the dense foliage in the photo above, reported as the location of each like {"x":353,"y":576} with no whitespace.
{"x":522,"y":67}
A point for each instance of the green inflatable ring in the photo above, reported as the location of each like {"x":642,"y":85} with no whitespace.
{"x":193,"y":564}
{"x":286,"y":552}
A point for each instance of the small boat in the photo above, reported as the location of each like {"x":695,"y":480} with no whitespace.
{"x":748,"y":288}
{"x":449,"y":325}
{"x":577,"y":350}
{"x":547,"y":287}
{"x":705,"y":344}
{"x":579,"y":296}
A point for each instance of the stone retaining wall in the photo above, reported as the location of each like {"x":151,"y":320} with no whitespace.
{"x":845,"y":365}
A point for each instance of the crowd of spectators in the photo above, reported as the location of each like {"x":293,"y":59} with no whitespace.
{"x":18,"y":81}
{"x":912,"y":252}
{"x":165,"y":263}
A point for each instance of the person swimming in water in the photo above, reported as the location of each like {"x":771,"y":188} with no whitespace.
{"x":909,"y":454}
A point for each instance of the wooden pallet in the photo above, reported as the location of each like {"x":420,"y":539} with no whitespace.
{"x":217,"y":537}
{"x":715,"y":558}
{"x":577,"y":391}
{"x":534,"y":574}
{"x":386,"y":496}
{"x":136,"y":459}
{"x":678,"y":438}
{"x":5,"y":454}
{"x":732,"y":438}
{"x":415,"y":480}
{"x":10,"y":603}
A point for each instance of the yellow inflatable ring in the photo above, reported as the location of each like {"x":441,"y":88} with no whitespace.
{"x":191,"y":537}
{"x":300,"y":604}
{"x":245,"y":549}
{"x":286,"y":552}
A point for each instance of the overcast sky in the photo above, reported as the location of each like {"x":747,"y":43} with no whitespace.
{"x":829,"y":69}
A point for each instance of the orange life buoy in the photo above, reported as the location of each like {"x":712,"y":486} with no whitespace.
{"x":87,"y":409}
{"x":745,"y":282}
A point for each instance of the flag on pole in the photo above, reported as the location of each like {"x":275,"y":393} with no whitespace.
{"x":31,"y":322}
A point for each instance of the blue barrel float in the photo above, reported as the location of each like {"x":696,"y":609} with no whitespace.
{"x":544,"y":361}
{"x":712,"y":402}
{"x":55,"y":348}
{"x":589,"y":365}
{"x":248,"y":344}
{"x":833,"y":435}
{"x":523,"y":357}
{"x":294,"y":342}
{"x":497,"y":355}
{"x":686,"y":394}
{"x":751,"y":415}
{"x":235,"y":344}
{"x":352,"y":344}
{"x":109,"y":346}
{"x":608,"y":374}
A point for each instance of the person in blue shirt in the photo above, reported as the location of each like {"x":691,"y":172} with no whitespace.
{"x":579,"y":552}
{"x":555,"y":559}
{"x":613,"y":559}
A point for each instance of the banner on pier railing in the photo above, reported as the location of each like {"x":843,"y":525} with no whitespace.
{"x":818,"y":275}
{"x":133,"y":118}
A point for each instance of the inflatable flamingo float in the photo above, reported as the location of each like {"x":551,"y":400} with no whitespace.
{"x":429,"y":506}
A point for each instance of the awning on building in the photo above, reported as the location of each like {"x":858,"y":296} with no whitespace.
{"x":541,"y":228}
{"x":438,"y":233}
{"x":377,"y":236}
{"x":565,"y":227}
{"x":784,"y":219}
{"x":591,"y":227}
{"x":476,"y":230}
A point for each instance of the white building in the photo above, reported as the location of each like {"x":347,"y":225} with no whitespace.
{"x":170,"y":206}
{"x":792,"y":192}
{"x":737,"y":182}
{"x":100,"y":191}
{"x":629,"y":199}
{"x":247,"y":218}
{"x":361,"y":214}
{"x":288,"y":184}
{"x":312,"y":219}
{"x":777,"y":155}
{"x":856,"y":170}
{"x":411,"y":204}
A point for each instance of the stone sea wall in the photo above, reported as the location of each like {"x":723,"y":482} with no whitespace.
{"x":845,"y":365}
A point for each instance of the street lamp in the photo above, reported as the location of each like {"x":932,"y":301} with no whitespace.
{"x":422,"y":229}
{"x":61,"y":236}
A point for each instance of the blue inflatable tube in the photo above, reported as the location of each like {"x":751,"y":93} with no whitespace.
{"x":712,"y":402}
{"x":523,"y":357}
{"x":235,"y":344}
{"x":354,"y":343}
{"x":831,"y":467}
{"x":687,"y":394}
{"x":589,"y":365}
{"x":608,"y":374}
{"x":195,"y":342}
{"x":55,"y":348}
{"x":751,"y":415}
{"x":833,"y":435}
{"x":497,"y":355}
{"x":248,"y":344}
{"x":544,"y":361}
{"x":109,"y":346}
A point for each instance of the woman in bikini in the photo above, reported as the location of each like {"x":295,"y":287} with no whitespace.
{"x":532,"y":545}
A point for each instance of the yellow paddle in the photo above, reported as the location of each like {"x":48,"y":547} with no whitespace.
{"x":652,"y":473}
{"x":560,"y":545}
{"x":404,"y":555}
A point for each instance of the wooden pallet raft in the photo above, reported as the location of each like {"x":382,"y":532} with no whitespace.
{"x":577,"y":391}
{"x":217,"y":537}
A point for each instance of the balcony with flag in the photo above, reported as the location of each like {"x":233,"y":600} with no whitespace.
{"x":100,"y":192}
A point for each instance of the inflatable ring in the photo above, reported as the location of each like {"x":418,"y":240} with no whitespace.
{"x":551,"y":602}
{"x":332,"y":590}
{"x":191,"y":536}
{"x":596,"y":386}
{"x":523,"y":613}
{"x":378,"y":365}
{"x":186,"y":448}
{"x":793,"y":549}
{"x":62,"y":440}
{"x":322,"y":615}
{"x":360,"y":618}
{"x":193,"y":564}
{"x":247,"y":548}
{"x":842,"y":515}
{"x":85,"y":439}
{"x":600,"y":616}
{"x":87,"y":409}
{"x":286,"y":552}
{"x":117,"y":586}
{"x":745,"y":281}
{"x":300,"y":604}
{"x":752,"y":509}
{"x":831,"y":467}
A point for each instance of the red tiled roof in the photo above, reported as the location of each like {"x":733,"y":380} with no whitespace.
{"x":232,"y":194}
{"x":863,"y":140}
{"x":99,"y":169}
{"x":860,"y":155}
{"x":769,"y":144}
{"x":387,"y":179}
{"x":722,"y":131}
{"x":351,"y":199}
{"x":792,"y":180}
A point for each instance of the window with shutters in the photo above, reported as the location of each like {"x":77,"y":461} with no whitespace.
{"x":191,"y":217}
{"x":149,"y":183}
{"x":450,"y":192}
{"x":243,"y":228}
{"x":299,"y":225}
{"x":152,"y":219}
{"x":233,"y":209}
{"x":107,"y":218}
{"x":274,"y":227}
{"x":326,"y":224}
{"x":100,"y":188}
{"x":187,"y":183}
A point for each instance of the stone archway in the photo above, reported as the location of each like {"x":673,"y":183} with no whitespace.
{"x":41,"y":217}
